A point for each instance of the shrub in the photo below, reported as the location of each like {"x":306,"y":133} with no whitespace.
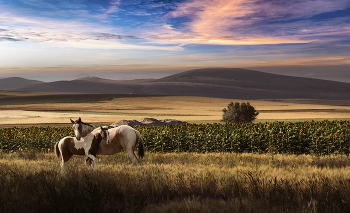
{"x":239,"y":113}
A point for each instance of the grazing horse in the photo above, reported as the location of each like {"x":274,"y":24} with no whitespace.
{"x":89,"y":145}
{"x":121,"y":137}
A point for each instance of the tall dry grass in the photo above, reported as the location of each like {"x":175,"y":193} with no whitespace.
{"x":183,"y":182}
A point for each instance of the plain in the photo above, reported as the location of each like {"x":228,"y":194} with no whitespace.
{"x":48,"y":109}
{"x":181,"y":182}
{"x":172,"y":182}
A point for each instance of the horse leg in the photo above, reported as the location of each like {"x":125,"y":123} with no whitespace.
{"x":62,"y":164}
{"x":132,"y":157}
{"x":88,"y":162}
{"x":65,"y":158}
{"x":94,"y":164}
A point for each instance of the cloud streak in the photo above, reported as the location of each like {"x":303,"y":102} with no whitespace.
{"x":8,"y":39}
{"x":70,"y":34}
{"x":266,"y":22}
{"x":213,"y":22}
{"x":191,"y":33}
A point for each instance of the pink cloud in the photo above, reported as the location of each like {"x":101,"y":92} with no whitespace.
{"x":113,"y":8}
{"x":223,"y":22}
{"x":212,"y":18}
{"x":250,"y":22}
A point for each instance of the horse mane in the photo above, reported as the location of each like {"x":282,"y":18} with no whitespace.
{"x":81,"y":122}
{"x":88,"y":124}
{"x":95,"y":131}
{"x":88,"y":127}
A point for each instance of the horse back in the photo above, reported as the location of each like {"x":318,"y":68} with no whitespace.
{"x":68,"y":146}
{"x":115,"y":145}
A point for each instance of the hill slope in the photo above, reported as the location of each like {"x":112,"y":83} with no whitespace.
{"x":247,"y":84}
{"x":211,"y":82}
{"x":16,"y":82}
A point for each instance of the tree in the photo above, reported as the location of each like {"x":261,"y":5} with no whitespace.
{"x":239,"y":113}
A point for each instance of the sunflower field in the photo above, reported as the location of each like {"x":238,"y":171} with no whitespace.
{"x":38,"y":138}
{"x":309,"y":137}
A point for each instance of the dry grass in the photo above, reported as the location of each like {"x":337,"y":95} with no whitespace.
{"x":184,"y":182}
{"x":191,"y":109}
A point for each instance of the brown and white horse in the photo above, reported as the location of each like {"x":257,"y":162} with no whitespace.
{"x":121,"y":137}
{"x":88,"y":145}
{"x":81,"y":129}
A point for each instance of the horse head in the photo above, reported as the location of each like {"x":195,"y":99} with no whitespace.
{"x":105,"y":134}
{"x":81,"y":129}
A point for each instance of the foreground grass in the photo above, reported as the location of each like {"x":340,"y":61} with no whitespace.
{"x":183,"y":182}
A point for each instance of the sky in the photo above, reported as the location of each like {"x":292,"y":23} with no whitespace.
{"x":125,"y":39}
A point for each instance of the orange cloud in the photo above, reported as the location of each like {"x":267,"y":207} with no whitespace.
{"x":222,"y":22}
{"x":313,"y":61}
{"x":240,"y":41}
{"x":219,"y":17}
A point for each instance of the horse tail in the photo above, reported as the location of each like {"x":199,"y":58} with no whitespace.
{"x":141,"y":151}
{"x":57,"y":150}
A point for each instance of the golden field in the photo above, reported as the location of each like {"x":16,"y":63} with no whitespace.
{"x":181,"y":182}
{"x":169,"y":182}
{"x":185,"y":108}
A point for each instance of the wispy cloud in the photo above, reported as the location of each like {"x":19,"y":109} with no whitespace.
{"x":295,"y":9}
{"x":187,"y":33}
{"x":108,"y":36}
{"x":8,"y":39}
{"x":70,"y":34}
{"x":113,"y":8}
{"x":251,"y":22}
{"x":214,"y":22}
{"x":107,"y":45}
{"x":41,"y":4}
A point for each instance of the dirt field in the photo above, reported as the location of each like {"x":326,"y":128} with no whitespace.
{"x":23,"y":109}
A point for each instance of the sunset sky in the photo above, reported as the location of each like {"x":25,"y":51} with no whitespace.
{"x":66,"y":39}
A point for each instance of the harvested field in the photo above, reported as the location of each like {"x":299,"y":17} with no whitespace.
{"x":26,"y":109}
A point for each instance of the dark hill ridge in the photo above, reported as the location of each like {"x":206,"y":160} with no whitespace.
{"x":79,"y":87}
{"x":102,"y":80}
{"x":250,"y":79}
{"x":233,"y":83}
{"x":16,"y":82}
{"x":254,"y":84}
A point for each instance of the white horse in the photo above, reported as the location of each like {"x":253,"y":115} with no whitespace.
{"x":88,"y":145}
{"x":122,"y":137}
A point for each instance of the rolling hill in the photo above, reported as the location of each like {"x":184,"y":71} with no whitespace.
{"x":211,"y":82}
{"x":16,"y":82}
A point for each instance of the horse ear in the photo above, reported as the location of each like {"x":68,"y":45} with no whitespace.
{"x":72,"y":121}
{"x":79,"y":120}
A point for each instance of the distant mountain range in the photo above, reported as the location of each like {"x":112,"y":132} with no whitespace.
{"x":339,"y":73}
{"x":16,"y":82}
{"x":232,"y":83}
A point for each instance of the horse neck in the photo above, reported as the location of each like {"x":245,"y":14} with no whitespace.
{"x":86,"y":130}
{"x":95,"y":134}
{"x":89,"y":136}
{"x":97,"y":138}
